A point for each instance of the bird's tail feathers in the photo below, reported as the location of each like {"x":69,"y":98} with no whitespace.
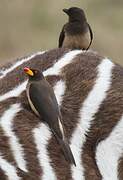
{"x":66,"y":149}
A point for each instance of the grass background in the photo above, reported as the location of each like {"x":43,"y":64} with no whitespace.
{"x":33,"y":25}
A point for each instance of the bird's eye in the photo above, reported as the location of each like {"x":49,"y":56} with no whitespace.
{"x":35,"y":72}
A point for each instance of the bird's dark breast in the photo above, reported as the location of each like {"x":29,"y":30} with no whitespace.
{"x":76,"y":28}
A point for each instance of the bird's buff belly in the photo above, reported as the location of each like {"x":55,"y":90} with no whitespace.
{"x":78,"y":41}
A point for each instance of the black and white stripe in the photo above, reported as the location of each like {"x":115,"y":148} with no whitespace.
{"x":108,"y":151}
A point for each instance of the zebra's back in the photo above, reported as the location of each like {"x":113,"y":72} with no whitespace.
{"x":89,"y":90}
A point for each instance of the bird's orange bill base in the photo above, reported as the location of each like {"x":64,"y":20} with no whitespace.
{"x":28,"y":71}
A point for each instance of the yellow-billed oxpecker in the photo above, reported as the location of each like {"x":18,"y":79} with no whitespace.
{"x":77,"y":33}
{"x":43,"y":102}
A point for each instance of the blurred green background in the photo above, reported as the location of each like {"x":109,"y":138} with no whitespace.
{"x":33,"y":25}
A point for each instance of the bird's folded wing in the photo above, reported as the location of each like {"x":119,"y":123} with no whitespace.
{"x":61,"y":37}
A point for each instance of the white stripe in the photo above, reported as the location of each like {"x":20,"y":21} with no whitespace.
{"x":59,"y":90}
{"x":18,"y":63}
{"x":67,"y":58}
{"x":6,"y":122}
{"x":10,"y":171}
{"x":109,"y":152}
{"x":89,"y":108}
{"x":42,"y":136}
{"x":15,"y":92}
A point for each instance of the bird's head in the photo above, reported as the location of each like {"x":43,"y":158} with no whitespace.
{"x":33,"y":74}
{"x":75,"y":14}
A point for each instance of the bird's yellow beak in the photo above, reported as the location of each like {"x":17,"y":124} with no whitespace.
{"x":28,"y":71}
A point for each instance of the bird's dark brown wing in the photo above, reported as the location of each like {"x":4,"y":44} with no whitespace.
{"x":91,"y":36}
{"x":44,"y":101}
{"x":61,"y":37}
{"x":41,"y":98}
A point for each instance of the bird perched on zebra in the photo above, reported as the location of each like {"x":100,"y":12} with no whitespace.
{"x":77,"y":33}
{"x":43,"y":102}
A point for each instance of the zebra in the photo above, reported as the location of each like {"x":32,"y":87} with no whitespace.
{"x":89,"y":90}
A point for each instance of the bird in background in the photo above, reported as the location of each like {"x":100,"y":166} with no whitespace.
{"x":43,"y":102}
{"x":77,"y":33}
